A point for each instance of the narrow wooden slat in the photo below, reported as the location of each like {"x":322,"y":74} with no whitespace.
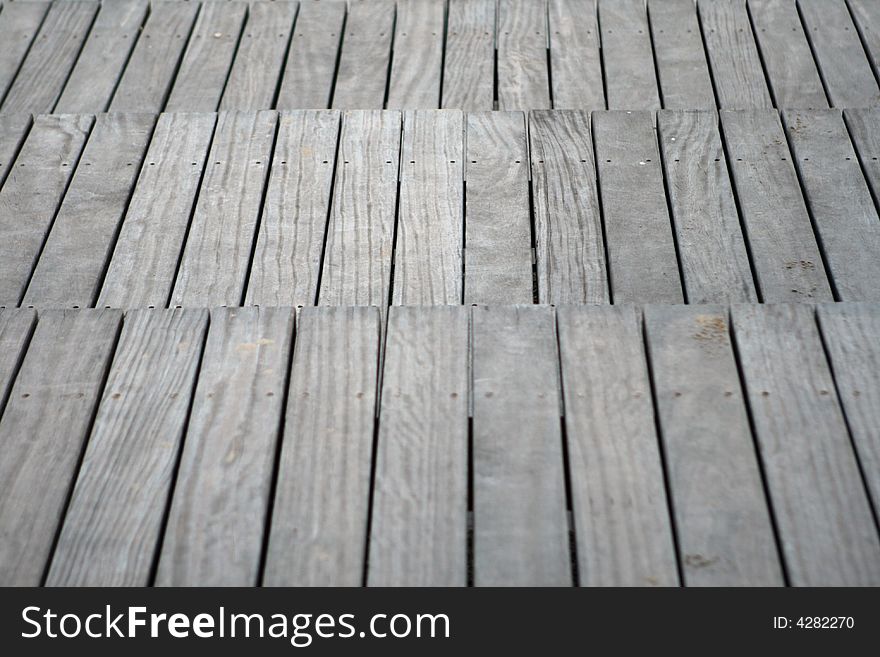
{"x":114,"y":521}
{"x":430,"y":229}
{"x":287,"y":258}
{"x":733,"y":55}
{"x":417,"y":64}
{"x":418,"y":532}
{"x":575,"y":60}
{"x":144,"y":263}
{"x":16,"y":327}
{"x":843,"y":212}
{"x":630,"y":79}
{"x":641,"y":252}
{"x":43,"y":430}
{"x":308,"y":78}
{"x":521,"y":42}
{"x":254,"y":78}
{"x":207,"y":61}
{"x":866,"y":15}
{"x":714,"y":261}
{"x":469,"y":65}
{"x":864,"y":129}
{"x":218,"y":249}
{"x":217,"y":519}
{"x":365,"y":57}
{"x":19,"y":23}
{"x":103,"y":58}
{"x":31,"y":196}
{"x":787,"y":263}
{"x":570,"y":249}
{"x":828,"y":533}
{"x":520,"y":524}
{"x":319,"y":523}
{"x":77,"y":250}
{"x":13,"y":130}
{"x":360,"y":231}
{"x":722,"y":521}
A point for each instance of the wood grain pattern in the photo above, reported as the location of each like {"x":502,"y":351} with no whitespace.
{"x":16,"y":327}
{"x":366,"y":54}
{"x":469,"y":66}
{"x":575,"y":59}
{"x":866,"y":16}
{"x":521,"y":43}
{"x":13,"y":130}
{"x":19,"y":24}
{"x":864,"y":130}
{"x":417,"y":64}
{"x":630,"y":80}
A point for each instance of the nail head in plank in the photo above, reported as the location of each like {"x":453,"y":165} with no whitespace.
{"x":19,"y":24}
{"x":16,"y":327}
{"x":469,"y":65}
{"x":521,"y":42}
{"x":366,"y":54}
{"x":575,"y":60}
{"x":417,"y":64}
{"x":864,"y":129}
{"x":629,"y":60}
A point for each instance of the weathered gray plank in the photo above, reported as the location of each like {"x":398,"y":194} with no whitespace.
{"x":682,"y":69}
{"x":319,"y":522}
{"x":31,"y":195}
{"x":150,"y":71}
{"x":417,"y":64}
{"x":620,"y":512}
{"x":792,"y":74}
{"x":864,"y":129}
{"x":13,"y":130}
{"x":218,"y":249}
{"x":215,"y":528}
{"x":641,"y":252}
{"x":469,"y":67}
{"x":733,"y":55}
{"x":360,"y":230}
{"x":521,"y":534}
{"x":207,"y":61}
{"x":144,"y":262}
{"x":785,"y":256}
{"x":308,"y":77}
{"x":103,"y":58}
{"x":498,"y":249}
{"x":714,"y":262}
{"x":287,"y":258}
{"x":521,"y":42}
{"x":827,"y":531}
{"x":430,"y":226}
{"x":366,"y":54}
{"x":630,"y":80}
{"x":254,"y":78}
{"x":575,"y":61}
{"x":418,"y":532}
{"x":723,"y":525}
{"x":16,"y":327}
{"x":114,"y":520}
{"x":866,"y":16}
{"x":19,"y":23}
{"x":569,"y":247}
{"x":848,"y":77}
{"x":76,"y":252}
{"x":843,"y":212}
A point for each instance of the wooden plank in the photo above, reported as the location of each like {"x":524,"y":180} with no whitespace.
{"x":843,"y":212}
{"x":866,"y":16}
{"x":521,"y":533}
{"x":51,"y":57}
{"x":621,"y":516}
{"x":254,"y":79}
{"x":792,"y":73}
{"x":864,"y":129}
{"x":827,"y":531}
{"x":13,"y":131}
{"x":44,"y":429}
{"x":360,"y":230}
{"x":417,"y":61}
{"x":286,"y":265}
{"x":215,"y":261}
{"x":31,"y":195}
{"x":19,"y":23}
{"x":207,"y":61}
{"x":418,"y":534}
{"x":365,"y":56}
{"x":144,"y":263}
{"x":103,"y":58}
{"x":114,"y":521}
{"x":319,"y":523}
{"x":153,"y":64}
{"x":682,"y":69}
{"x":630,"y":80}
{"x":215,"y":528}
{"x":641,"y":252}
{"x":569,"y":247}
{"x":521,"y":42}
{"x":16,"y":328}
{"x":842,"y":60}
{"x":498,"y":241}
{"x":714,"y":262}
{"x":430,"y":225}
{"x":733,"y":55}
{"x":723,"y":526}
{"x":787,"y":263}
{"x":308,"y":78}
{"x":469,"y":65}
{"x":75,"y":256}
{"x":575,"y":59}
